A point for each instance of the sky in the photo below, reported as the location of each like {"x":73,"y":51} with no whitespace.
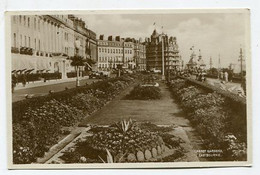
{"x":213,"y":33}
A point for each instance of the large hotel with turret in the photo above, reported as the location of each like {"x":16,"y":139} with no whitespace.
{"x":46,"y":44}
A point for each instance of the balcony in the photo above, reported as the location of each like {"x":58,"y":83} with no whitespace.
{"x":26,"y":51}
{"x":14,"y":50}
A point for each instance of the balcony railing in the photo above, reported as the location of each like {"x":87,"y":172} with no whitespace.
{"x":15,"y":50}
{"x":26,"y":51}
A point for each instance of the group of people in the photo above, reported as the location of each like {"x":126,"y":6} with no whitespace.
{"x":225,"y":77}
{"x":15,"y":81}
{"x":200,"y":76}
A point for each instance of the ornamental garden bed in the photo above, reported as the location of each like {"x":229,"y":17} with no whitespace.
{"x":219,"y":119}
{"x":147,"y":90}
{"x":39,"y":122}
{"x":144,"y":93}
{"x":126,"y":141}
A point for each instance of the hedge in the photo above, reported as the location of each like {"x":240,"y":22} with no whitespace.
{"x":220,"y":118}
{"x":38,"y":122}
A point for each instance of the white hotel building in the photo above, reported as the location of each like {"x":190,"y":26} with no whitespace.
{"x":114,"y":51}
{"x":45,"y":42}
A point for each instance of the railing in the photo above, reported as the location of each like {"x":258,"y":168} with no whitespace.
{"x":212,"y":88}
{"x":26,"y":51}
{"x":15,"y":50}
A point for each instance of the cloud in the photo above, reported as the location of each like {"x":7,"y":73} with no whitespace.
{"x":221,"y":36}
{"x":111,"y":24}
{"x":213,"y":33}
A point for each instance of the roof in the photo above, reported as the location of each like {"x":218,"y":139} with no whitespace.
{"x":155,"y":33}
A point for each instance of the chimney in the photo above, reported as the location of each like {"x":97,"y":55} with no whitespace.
{"x":110,"y":38}
{"x":101,"y":37}
{"x":117,"y":38}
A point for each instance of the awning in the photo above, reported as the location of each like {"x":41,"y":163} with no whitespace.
{"x":27,"y":62}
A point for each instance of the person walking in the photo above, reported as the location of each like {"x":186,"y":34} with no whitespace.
{"x":230,"y":76}
{"x":24,"y":80}
{"x":243,"y":84}
{"x":14,"y":81}
{"x":221,"y":76}
{"x":226,"y":76}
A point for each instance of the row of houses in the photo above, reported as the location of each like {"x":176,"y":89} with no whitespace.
{"x":45,"y":43}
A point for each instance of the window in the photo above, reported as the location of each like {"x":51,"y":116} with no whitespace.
{"x":39,"y":24}
{"x":14,"y":40}
{"x":113,"y":50}
{"x":28,"y":22}
{"x":21,"y":40}
{"x":35,"y":44}
{"x":99,"y":49}
{"x":24,"y":20}
{"x":39,"y":45}
{"x":20,"y":19}
{"x":107,"y":50}
{"x":14,"y":19}
{"x":29,"y":41}
{"x":25,"y":41}
{"x":34,"y":23}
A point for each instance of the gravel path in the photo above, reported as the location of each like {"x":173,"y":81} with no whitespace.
{"x":162,"y":112}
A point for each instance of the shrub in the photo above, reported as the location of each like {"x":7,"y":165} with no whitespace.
{"x":38,"y":122}
{"x":120,"y":139}
{"x":40,"y":129}
{"x":86,"y":102}
{"x":144,"y":93}
{"x":215,"y":114}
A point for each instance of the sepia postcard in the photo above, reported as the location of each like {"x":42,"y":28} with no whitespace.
{"x":128,"y":88}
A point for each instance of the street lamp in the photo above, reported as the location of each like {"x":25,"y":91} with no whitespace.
{"x":77,"y":61}
{"x":119,"y":67}
{"x":163,"y":76}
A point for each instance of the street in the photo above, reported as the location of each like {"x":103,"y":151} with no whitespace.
{"x":18,"y":95}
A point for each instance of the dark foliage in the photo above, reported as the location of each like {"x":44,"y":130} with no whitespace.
{"x":220,"y":118}
{"x":144,"y":93}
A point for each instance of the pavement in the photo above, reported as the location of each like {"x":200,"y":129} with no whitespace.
{"x":228,"y":86}
{"x":43,"y":88}
{"x":20,"y":86}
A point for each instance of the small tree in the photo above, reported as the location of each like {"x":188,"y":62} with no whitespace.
{"x":77,"y":61}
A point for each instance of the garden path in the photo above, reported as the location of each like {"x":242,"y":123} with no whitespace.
{"x":164,"y":111}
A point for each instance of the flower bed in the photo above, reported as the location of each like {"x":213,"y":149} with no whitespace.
{"x":38,"y":122}
{"x":124,"y":141}
{"x":214,"y":117}
{"x":144,"y":93}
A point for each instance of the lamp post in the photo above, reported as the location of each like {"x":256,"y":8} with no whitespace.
{"x":77,"y":45}
{"x":241,"y":62}
{"x":163,"y":76}
{"x":119,"y":67}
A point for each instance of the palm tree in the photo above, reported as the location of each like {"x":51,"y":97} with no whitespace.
{"x":77,"y":61}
